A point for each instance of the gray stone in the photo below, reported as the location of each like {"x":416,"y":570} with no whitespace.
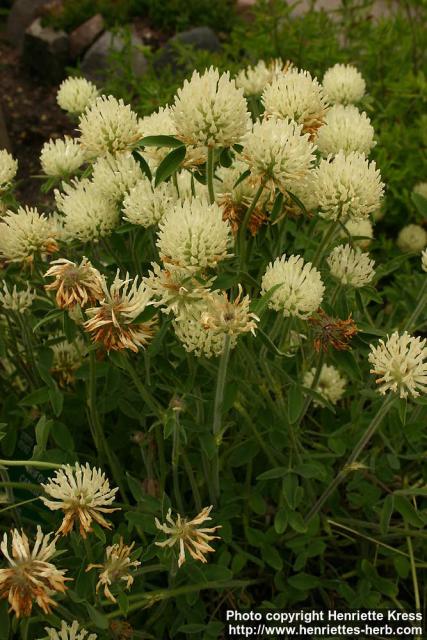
{"x":85,"y":35}
{"x":22,"y":14}
{"x":45,"y":52}
{"x":96,"y":63}
{"x":199,"y":38}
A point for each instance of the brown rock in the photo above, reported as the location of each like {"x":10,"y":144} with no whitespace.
{"x":21,"y":15}
{"x":82,"y":37}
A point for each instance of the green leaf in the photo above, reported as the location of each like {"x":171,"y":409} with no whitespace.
{"x":170,"y":164}
{"x":272,"y":557}
{"x":297,"y":202}
{"x":296,"y":521}
{"x":225,"y":158}
{"x":407,"y":511}
{"x":258,"y":306}
{"x":145,"y":168}
{"x":386,"y":512}
{"x":295,"y":402}
{"x":160,"y":141}
{"x":146,"y":315}
{"x":281,"y":521}
{"x":56,"y":400}
{"x":123,"y":601}
{"x":62,"y":436}
{"x":277,"y":207}
{"x":195,"y":627}
{"x":39,"y":396}
{"x":271,"y":474}
{"x":304,"y":581}
{"x":42,"y":430}
{"x":51,"y":316}
{"x":98,"y":618}
{"x":311,"y":470}
{"x":242,"y":177}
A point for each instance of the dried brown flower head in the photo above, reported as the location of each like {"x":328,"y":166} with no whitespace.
{"x":229,"y":317}
{"x":234,"y":212}
{"x":74,"y":284}
{"x":30,"y":577}
{"x":121,"y":630}
{"x":117,"y":567}
{"x":332,"y":332}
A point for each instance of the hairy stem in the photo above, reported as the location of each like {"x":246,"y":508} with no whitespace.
{"x":217,"y":417}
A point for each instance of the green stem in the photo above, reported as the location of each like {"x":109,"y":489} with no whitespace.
{"x":420,"y":306}
{"x":324,"y":243}
{"x":38,"y":464}
{"x":192,"y":481}
{"x":175,"y":461}
{"x":210,"y":174}
{"x":414,"y":574}
{"x":308,"y":398}
{"x":364,"y":440}
{"x":145,"y":395}
{"x":218,"y":403}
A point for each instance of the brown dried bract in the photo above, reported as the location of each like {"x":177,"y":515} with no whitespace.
{"x":332,"y":332}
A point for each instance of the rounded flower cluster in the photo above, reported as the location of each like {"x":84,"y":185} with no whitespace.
{"x":347,"y":187}
{"x":87,"y":214}
{"x":356,"y":228}
{"x":108,"y":126}
{"x":330,"y":385}
{"x":15,"y":300}
{"x":253,"y":80}
{"x":25,"y":233}
{"x":194,"y":235}
{"x":346,"y":129}
{"x":62,"y":158}
{"x":277,"y":152}
{"x":69,"y":632}
{"x":296,"y":95}
{"x":8,"y":169}
{"x":412,"y":238}
{"x":343,"y":84}
{"x":145,"y":204}
{"x":114,"y":176}
{"x":196,"y":339}
{"x":351,"y":266}
{"x":75,"y":94}
{"x":401,"y":364}
{"x":210,"y":110}
{"x":299,"y":287}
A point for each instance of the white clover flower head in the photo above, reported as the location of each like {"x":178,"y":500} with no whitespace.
{"x":304,"y":191}
{"x":146,"y":204}
{"x":8,"y":169}
{"x":351,"y":266}
{"x":401,"y":364}
{"x":195,"y":338}
{"x":61,"y":158}
{"x":421,"y":189}
{"x":176,"y":290}
{"x":15,"y":300}
{"x":114,"y":176}
{"x":25,"y":233}
{"x":277,"y":153}
{"x":193,"y":235}
{"x":347,"y":186}
{"x":343,"y":84}
{"x":228,"y":317}
{"x":346,"y":129}
{"x":116,"y":568}
{"x":209,"y":110}
{"x":108,"y":126}
{"x":69,"y":632}
{"x":31,"y":576}
{"x":87,"y":214}
{"x":83,"y":493}
{"x":298,"y":96}
{"x":75,"y":95}
{"x":424,"y":260}
{"x":412,"y":238}
{"x":331,"y":384}
{"x":362,"y":230}
{"x":253,"y":79}
{"x":299,"y":289}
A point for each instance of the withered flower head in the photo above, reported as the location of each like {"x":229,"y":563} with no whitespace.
{"x":74,"y":284}
{"x":229,"y":317}
{"x":113,"y":324}
{"x":188,"y":536}
{"x":83,"y":493}
{"x":332,"y":332}
{"x":121,"y":630}
{"x":30,"y":576}
{"x":117,"y":566}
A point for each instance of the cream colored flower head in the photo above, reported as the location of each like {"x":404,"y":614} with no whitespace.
{"x":298,"y":96}
{"x":14,"y":300}
{"x":62,"y":158}
{"x":412,"y":238}
{"x":113,"y":323}
{"x":31,"y":577}
{"x":87,"y":214}
{"x":304,"y":191}
{"x":108,"y":126}
{"x":346,"y":129}
{"x":176,"y":290}
{"x":361,"y":232}
{"x":253,"y":79}
{"x":424,"y":260}
{"x":69,"y":632}
{"x":228,"y":317}
{"x":114,"y":176}
{"x":401,"y":364}
{"x":83,"y":493}
{"x":299,"y":289}
{"x":188,"y":535}
{"x":8,"y":169}
{"x":67,"y":358}
{"x":351,"y":266}
{"x":118,"y":567}
{"x":277,"y":153}
{"x":343,"y":84}
{"x":331,"y":384}
{"x":347,"y":187}
{"x":75,"y":95}
{"x":75,"y":284}
{"x":194,"y":235}
{"x":421,"y":189}
{"x":209,"y":110}
{"x":195,"y":338}
{"x":25,"y":233}
{"x":146,"y":204}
